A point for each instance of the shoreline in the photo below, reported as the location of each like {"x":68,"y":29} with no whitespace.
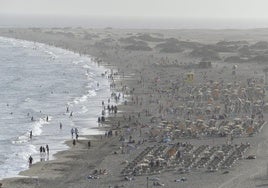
{"x":139,"y":115}
{"x":68,"y":143}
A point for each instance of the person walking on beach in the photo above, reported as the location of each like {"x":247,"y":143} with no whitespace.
{"x":31,"y":134}
{"x":47,"y":148}
{"x":41,"y":150}
{"x":41,"y":153}
{"x":76,"y":131}
{"x":72,"y":132}
{"x":30,"y":161}
{"x":60,"y":125}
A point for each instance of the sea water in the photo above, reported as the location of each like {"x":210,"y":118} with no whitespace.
{"x":40,"y":81}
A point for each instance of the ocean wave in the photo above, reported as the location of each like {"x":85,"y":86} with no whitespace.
{"x":36,"y":131}
{"x":51,"y":54}
{"x":91,"y":93}
{"x":22,"y":139}
{"x":37,"y":126}
{"x":27,"y":99}
{"x":18,"y":158}
{"x":76,"y":62}
{"x":80,"y":99}
{"x":84,"y":109}
{"x":84,"y":98}
{"x":87,"y":66}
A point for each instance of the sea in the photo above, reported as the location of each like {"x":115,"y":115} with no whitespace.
{"x":40,"y":81}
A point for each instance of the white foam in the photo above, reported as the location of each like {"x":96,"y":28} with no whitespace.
{"x":37,"y":126}
{"x":84,"y":109}
{"x":76,"y":62}
{"x":22,"y":139}
{"x":91,"y":93}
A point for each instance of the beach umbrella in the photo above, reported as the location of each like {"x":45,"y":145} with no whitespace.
{"x":213,"y":129}
{"x":145,"y":160}
{"x":160,"y":159}
{"x":188,"y":121}
{"x":238,"y":127}
{"x":167,"y":129}
{"x":250,"y":130}
{"x":143,"y":165}
{"x":170,"y":125}
{"x":149,"y":155}
{"x":224,"y":128}
{"x":171,"y":152}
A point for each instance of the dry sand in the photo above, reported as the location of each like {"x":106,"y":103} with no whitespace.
{"x":139,"y":69}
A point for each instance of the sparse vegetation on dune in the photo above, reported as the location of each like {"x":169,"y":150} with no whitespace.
{"x":138,"y":47}
{"x":206,"y":53}
{"x":261,"y":45}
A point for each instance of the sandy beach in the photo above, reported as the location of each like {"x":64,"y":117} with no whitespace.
{"x":158,"y":137}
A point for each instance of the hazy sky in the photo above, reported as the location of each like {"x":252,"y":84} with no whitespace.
{"x":140,"y":8}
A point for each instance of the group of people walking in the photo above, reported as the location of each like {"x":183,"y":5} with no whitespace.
{"x":74,"y":132}
{"x":44,"y":152}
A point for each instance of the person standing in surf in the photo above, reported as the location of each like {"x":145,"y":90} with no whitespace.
{"x":47,"y":148}
{"x":72,"y":132}
{"x":31,"y":134}
{"x":30,"y":161}
{"x":76,"y":133}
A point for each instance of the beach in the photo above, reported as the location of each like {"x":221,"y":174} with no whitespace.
{"x":149,"y":68}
